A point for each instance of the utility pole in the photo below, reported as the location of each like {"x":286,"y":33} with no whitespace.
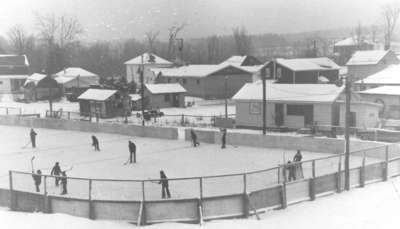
{"x":347,"y":134}
{"x":142,"y":87}
{"x":49,"y":69}
{"x":226,"y":97}
{"x":264,"y":89}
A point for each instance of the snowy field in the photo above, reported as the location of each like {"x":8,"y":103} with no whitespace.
{"x":177,"y":158}
{"x":372,"y":207}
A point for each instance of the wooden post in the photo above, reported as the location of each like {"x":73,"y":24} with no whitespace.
{"x":312,"y":182}
{"x":69,"y":115}
{"x":200,"y":211}
{"x":20,"y":111}
{"x":143,"y":218}
{"x":91,"y":209}
{"x":46,"y":208}
{"x":246,"y":208}
{"x":279,"y":174}
{"x":283,"y":195}
{"x":362,"y":172}
{"x":386,"y":169}
{"x":201,"y":187}
{"x":13,"y":204}
{"x":339,"y":177}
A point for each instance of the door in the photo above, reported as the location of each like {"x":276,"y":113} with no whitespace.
{"x":175,"y":100}
{"x":279,"y":114}
{"x":308,"y":115}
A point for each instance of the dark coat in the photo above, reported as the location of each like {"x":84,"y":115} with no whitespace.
{"x":163,"y":180}
{"x":56,"y":170}
{"x":95,"y":141}
{"x":32,"y":134}
{"x":37,"y":178}
{"x":132,"y":147}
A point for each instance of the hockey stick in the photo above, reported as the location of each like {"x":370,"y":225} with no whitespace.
{"x":26,"y":145}
{"x":33,"y":158}
{"x":69,"y":169}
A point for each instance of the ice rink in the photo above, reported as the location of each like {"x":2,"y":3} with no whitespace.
{"x":177,"y":158}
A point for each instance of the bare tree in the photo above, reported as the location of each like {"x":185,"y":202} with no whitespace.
{"x":390,"y":13}
{"x":172,"y":35}
{"x":242,"y":40}
{"x":151,"y":37}
{"x":21,"y":43}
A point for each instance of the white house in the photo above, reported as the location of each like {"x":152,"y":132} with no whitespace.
{"x":14,"y":70}
{"x":76,"y":78}
{"x":149,"y":60}
{"x":300,"y":105}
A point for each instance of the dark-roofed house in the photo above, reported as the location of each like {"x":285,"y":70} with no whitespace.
{"x":300,"y":105}
{"x":206,"y":81}
{"x":149,"y":60}
{"x":103,"y":102}
{"x":14,"y":69}
{"x":345,"y":48}
{"x":36,"y":88}
{"x":164,"y":95}
{"x":303,"y":70}
{"x":366,"y":63}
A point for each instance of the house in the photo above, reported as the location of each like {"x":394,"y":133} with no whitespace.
{"x":303,"y":70}
{"x":388,"y":96}
{"x":164,"y":95}
{"x":103,"y":102}
{"x":206,"y":81}
{"x":248,"y":63}
{"x":14,"y":69}
{"x":300,"y":105}
{"x":389,"y":76}
{"x":36,"y":87}
{"x":149,"y":61}
{"x":365,"y":63}
{"x":76,"y":78}
{"x":345,"y":48}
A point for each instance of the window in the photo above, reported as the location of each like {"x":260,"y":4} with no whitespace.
{"x":279,"y":73}
{"x":198,"y":81}
{"x":297,"y":110}
{"x":169,"y":80}
{"x":167,"y":98}
{"x":255,"y":108}
{"x":184,"y":81}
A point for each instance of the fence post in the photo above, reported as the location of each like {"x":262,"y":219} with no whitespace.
{"x":91,"y":209}
{"x":183,"y":120}
{"x":339,"y":177}
{"x":200,"y":202}
{"x":279,"y":174}
{"x":69,"y":115}
{"x":143,"y":216}
{"x":246,"y":207}
{"x":6,"y":110}
{"x":201,"y":188}
{"x":386,"y":169}
{"x":312,"y":182}
{"x":13,"y":202}
{"x":46,"y":208}
{"x":283,"y":188}
{"x":362,"y":172}
{"x":20,"y":111}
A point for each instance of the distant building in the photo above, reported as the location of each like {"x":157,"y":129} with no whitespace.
{"x":303,"y":70}
{"x":76,"y":78}
{"x":36,"y":87}
{"x":14,"y":69}
{"x":301,"y":105}
{"x":248,"y":63}
{"x":388,"y":96}
{"x":164,"y":95}
{"x":365,"y":63}
{"x":149,"y":60}
{"x":389,"y":76}
{"x":206,"y":81}
{"x":104,"y":103}
{"x":345,"y":48}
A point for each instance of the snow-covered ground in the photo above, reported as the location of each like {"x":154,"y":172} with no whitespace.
{"x":373,"y":207}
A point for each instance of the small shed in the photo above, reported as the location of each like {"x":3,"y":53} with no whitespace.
{"x":103,"y":102}
{"x":36,"y":87}
{"x":164,"y":95}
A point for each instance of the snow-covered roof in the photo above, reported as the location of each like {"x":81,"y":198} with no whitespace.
{"x":34,"y":78}
{"x":308,"y":64}
{"x":147,"y":59}
{"x":235,"y":60}
{"x":350,"y":41}
{"x":165,"y":88}
{"x":13,"y":60}
{"x":97,"y":94}
{"x":135,"y":97}
{"x":368,"y":57}
{"x":74,"y":72}
{"x":21,"y":77}
{"x":294,"y":93}
{"x":389,"y":75}
{"x":196,"y":70}
{"x":384,"y":90}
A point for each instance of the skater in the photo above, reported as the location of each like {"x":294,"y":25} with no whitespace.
{"x":292,"y":169}
{"x":223,"y":139}
{"x":64,"y":182}
{"x":298,"y":166}
{"x":194,"y":138}
{"x":164,"y":185}
{"x":55,"y":171}
{"x":37,"y":178}
{"x":95,"y":143}
{"x":132,"y":151}
{"x":297,"y":157}
{"x":33,"y":138}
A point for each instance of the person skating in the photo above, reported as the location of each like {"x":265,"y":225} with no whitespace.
{"x":164,"y":185}
{"x":63,"y":180}
{"x":56,"y":171}
{"x":95,"y":143}
{"x":37,"y":178}
{"x":299,"y":167}
{"x":223,"y":139}
{"x":33,"y":138}
{"x":194,"y":138}
{"x":132,"y":152}
{"x":292,"y":169}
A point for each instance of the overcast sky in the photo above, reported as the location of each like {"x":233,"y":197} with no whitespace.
{"x":119,"y":19}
